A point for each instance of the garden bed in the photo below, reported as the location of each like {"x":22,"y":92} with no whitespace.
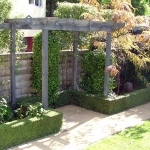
{"x":27,"y":129}
{"x":106,"y":105}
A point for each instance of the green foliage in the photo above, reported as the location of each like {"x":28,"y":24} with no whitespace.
{"x":93,"y":66}
{"x":63,"y":98}
{"x":104,"y":2}
{"x":29,"y":107}
{"x":107,"y":105}
{"x":24,"y":130}
{"x":51,"y":5}
{"x":19,"y":112}
{"x":35,"y":110}
{"x":142,"y":7}
{"x":25,"y":102}
{"x":5,"y":34}
{"x":6,"y":113}
{"x":133,"y":138}
{"x":72,"y":10}
{"x":6,"y":7}
{"x":53,"y":65}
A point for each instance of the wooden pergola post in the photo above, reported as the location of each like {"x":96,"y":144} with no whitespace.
{"x":75,"y":61}
{"x":107,"y":63}
{"x":45,"y":68}
{"x":12,"y":67}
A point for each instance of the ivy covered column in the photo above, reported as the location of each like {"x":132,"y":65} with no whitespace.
{"x":107,"y":63}
{"x":45,"y":68}
{"x":12,"y":67}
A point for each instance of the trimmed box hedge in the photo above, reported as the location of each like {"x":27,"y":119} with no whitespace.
{"x":107,"y":105}
{"x":112,"y":106}
{"x":27,"y":129}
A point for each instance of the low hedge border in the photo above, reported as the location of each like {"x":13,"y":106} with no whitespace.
{"x":107,"y":105}
{"x":27,"y":129}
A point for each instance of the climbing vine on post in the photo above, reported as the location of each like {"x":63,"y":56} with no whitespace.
{"x":53,"y":65}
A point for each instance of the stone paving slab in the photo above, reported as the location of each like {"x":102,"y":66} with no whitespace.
{"x":83,"y":127}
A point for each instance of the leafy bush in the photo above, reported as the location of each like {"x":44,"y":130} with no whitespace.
{"x":52,"y":5}
{"x":6,"y":7}
{"x":25,"y":102}
{"x":63,"y":98}
{"x":72,"y":10}
{"x":6,"y":113}
{"x":29,"y":110}
{"x":35,"y":110}
{"x":53,"y":65}
{"x":142,"y":7}
{"x":93,"y":66}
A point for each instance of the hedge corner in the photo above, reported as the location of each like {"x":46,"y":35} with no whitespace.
{"x":27,"y":129}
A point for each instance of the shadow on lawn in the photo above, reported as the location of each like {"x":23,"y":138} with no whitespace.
{"x":137,"y":132}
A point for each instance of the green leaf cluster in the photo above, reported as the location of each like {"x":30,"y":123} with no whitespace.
{"x":53,"y":65}
{"x":93,"y":66}
{"x":6,"y":7}
{"x":51,"y":5}
{"x":73,"y":10}
{"x":6,"y":113}
{"x":142,"y":7}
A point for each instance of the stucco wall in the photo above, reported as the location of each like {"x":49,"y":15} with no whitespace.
{"x":22,"y":8}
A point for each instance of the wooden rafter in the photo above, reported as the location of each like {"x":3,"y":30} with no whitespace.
{"x":53,"y":23}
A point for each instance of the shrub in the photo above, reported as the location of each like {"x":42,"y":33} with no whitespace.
{"x":73,"y":10}
{"x":107,"y":105}
{"x":24,"y":130}
{"x":53,"y":65}
{"x":93,"y":66}
{"x":142,"y":7}
{"x":112,"y":106}
{"x":52,"y":5}
{"x":29,"y":108}
{"x":63,"y":98}
{"x":6,"y":113}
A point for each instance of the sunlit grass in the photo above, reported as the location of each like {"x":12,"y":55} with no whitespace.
{"x":135,"y":138}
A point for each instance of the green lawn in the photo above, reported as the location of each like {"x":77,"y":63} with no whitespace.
{"x":135,"y":138}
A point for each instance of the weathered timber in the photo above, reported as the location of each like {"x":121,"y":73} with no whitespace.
{"x":75,"y":62}
{"x":45,"y":69}
{"x":13,"y":68}
{"x":54,"y":23}
{"x":107,"y":63}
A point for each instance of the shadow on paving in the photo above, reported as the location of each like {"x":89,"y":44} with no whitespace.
{"x":83,"y":127}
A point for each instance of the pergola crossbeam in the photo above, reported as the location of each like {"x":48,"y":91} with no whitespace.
{"x":53,"y":23}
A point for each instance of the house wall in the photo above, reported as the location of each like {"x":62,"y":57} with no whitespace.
{"x":24,"y":72}
{"x":22,"y":8}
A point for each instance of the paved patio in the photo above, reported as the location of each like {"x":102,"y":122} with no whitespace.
{"x":83,"y":127}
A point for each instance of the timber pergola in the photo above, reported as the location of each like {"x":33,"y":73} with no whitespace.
{"x":53,"y":23}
